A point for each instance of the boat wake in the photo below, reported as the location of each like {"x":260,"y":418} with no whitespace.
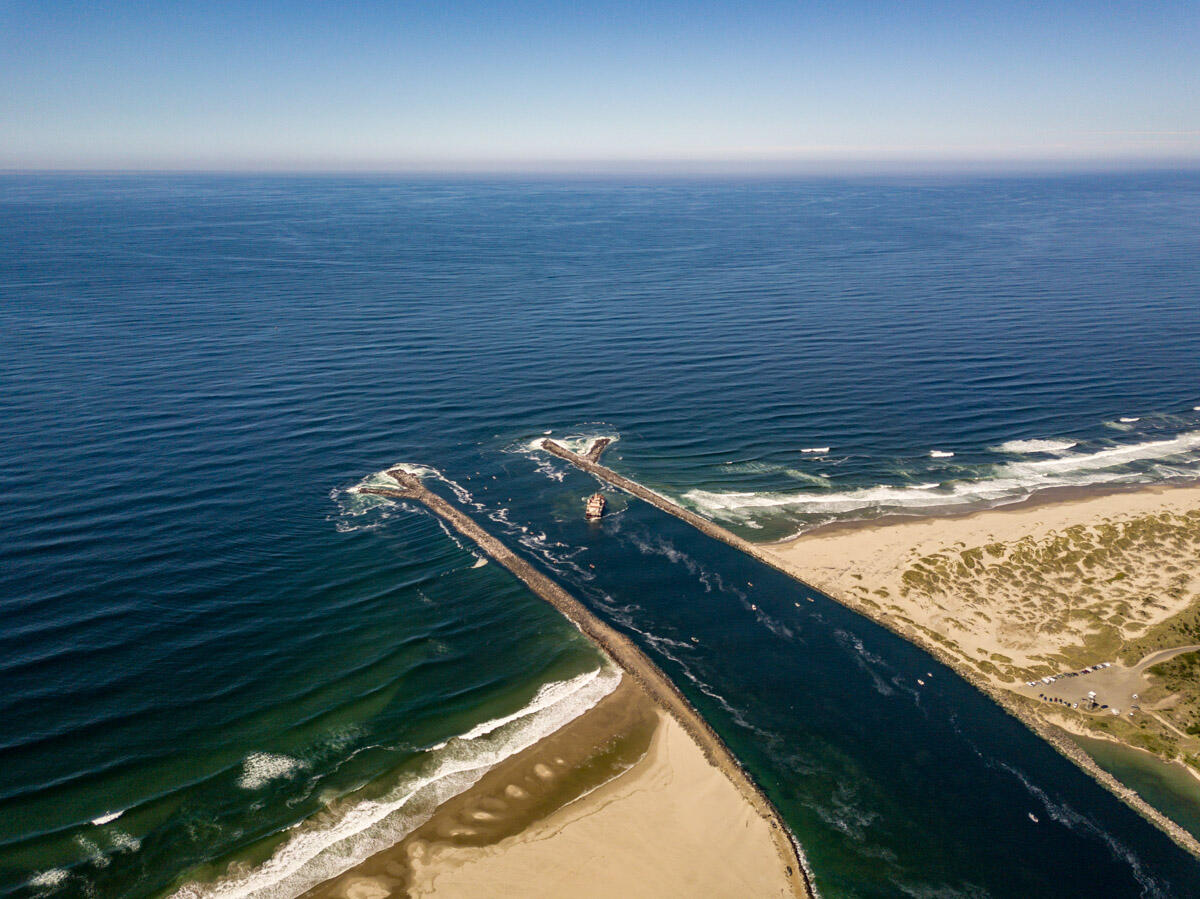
{"x":1063,"y":814}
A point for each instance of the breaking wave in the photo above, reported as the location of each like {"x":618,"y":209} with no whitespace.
{"x":547,"y":695}
{"x":260,"y":768}
{"x":359,"y":511}
{"x":351,"y":830}
{"x":46,"y":882}
{"x":577,"y":441}
{"x":1035,"y":446}
{"x":1145,"y":462}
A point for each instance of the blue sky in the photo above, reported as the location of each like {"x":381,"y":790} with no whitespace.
{"x":528,"y":85}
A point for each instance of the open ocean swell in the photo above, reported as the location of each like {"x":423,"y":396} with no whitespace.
{"x":218,"y":660}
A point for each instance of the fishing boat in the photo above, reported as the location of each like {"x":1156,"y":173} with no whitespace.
{"x":595,"y":507}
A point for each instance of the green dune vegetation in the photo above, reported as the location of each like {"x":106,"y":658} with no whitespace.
{"x":1031,"y":599}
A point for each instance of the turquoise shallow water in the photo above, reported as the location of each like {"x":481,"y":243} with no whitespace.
{"x":206,"y":634}
{"x":1168,"y":787}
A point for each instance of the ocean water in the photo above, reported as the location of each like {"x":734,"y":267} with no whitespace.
{"x":225,"y":673}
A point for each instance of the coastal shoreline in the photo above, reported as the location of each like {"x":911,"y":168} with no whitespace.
{"x":1024,"y":709}
{"x":618,"y":802}
{"x":770,"y":554}
{"x":637,"y":667}
{"x":1048,"y":496}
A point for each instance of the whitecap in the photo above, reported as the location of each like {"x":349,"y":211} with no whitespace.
{"x":1127,"y":420}
{"x":940,"y":454}
{"x":815,"y":449}
{"x":753,"y":467}
{"x":95,"y":855}
{"x":1035,"y":446}
{"x":260,"y":768}
{"x":111,"y":816}
{"x":49,"y":880}
{"x":354,"y":502}
{"x":124,"y":842}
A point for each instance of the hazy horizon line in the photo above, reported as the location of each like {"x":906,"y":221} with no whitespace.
{"x":683,"y":167}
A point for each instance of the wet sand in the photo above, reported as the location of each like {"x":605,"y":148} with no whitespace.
{"x":714,"y":821}
{"x":619,"y":802}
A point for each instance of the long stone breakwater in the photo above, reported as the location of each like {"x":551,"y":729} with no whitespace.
{"x":625,"y":654}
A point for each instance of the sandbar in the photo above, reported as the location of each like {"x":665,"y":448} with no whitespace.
{"x":619,"y":802}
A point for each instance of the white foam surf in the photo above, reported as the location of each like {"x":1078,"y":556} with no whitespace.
{"x":124,"y":842}
{"x":350,"y":830}
{"x":579,"y":442}
{"x":46,"y":881}
{"x":1035,"y":446}
{"x":260,"y":768}
{"x":815,"y":449}
{"x":546,"y":696}
{"x":551,"y":466}
{"x":1144,"y":462}
{"x":940,"y":454}
{"x":361,"y":510}
{"x":111,"y":816}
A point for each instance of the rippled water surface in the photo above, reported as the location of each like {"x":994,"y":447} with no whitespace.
{"x":213,"y":651}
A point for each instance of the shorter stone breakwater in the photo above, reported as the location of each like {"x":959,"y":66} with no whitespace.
{"x":589,"y":463}
{"x":627,"y":656}
{"x":1017,"y":706}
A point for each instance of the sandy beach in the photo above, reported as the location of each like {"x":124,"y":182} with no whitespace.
{"x":620,"y":802}
{"x":639,"y":796}
{"x":1067,"y":584}
{"x":1023,"y":590}
{"x":1076,"y":613}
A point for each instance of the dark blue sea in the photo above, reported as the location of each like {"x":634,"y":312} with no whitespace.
{"x":225,"y":673}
